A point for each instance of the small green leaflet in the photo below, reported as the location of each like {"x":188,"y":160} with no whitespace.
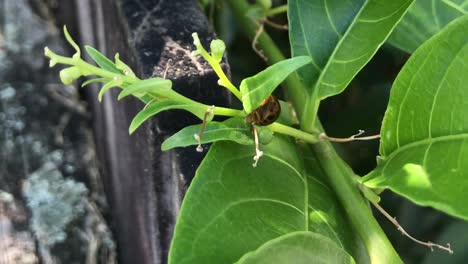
{"x":102,"y":60}
{"x":258,"y":87}
{"x":162,"y":105}
{"x":234,"y":129}
{"x":95,"y":80}
{"x":123,"y":67}
{"x":155,"y":86}
{"x":111,"y":84}
{"x":424,"y":144}
{"x":300,"y":247}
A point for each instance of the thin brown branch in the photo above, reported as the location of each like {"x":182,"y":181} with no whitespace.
{"x":198,"y":136}
{"x":258,"y":152}
{"x":428,"y":244}
{"x":275,"y":25}
{"x":355,"y":137}
{"x":255,"y":39}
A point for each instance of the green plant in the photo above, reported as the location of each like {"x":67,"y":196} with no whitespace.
{"x":302,"y":196}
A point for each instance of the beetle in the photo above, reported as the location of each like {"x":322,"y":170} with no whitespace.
{"x":266,"y":113}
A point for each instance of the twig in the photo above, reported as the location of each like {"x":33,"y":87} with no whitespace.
{"x":275,"y":25}
{"x":428,"y":244}
{"x":355,"y":137}
{"x":198,"y":136}
{"x":255,"y":39}
{"x":258,"y":152}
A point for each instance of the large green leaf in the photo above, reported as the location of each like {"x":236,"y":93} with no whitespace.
{"x":258,"y":87}
{"x":424,"y":144}
{"x":234,"y":129}
{"x":299,"y":248}
{"x":232,"y":208}
{"x":340,"y":36}
{"x":423,"y":20}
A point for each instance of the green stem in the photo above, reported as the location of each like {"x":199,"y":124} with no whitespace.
{"x":87,"y":69}
{"x":265,"y":43}
{"x":90,"y":69}
{"x":290,"y":131}
{"x":276,"y":10}
{"x":224,"y":80}
{"x":222,"y":111}
{"x":341,"y":177}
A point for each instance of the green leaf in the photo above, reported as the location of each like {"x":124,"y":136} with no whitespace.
{"x":256,"y":88}
{"x":102,"y":60}
{"x":111,"y":84}
{"x":156,"y":86}
{"x":95,"y":80}
{"x":424,"y":19}
{"x":340,"y":36}
{"x":123,"y":67}
{"x":424,"y":141}
{"x":232,"y":208}
{"x":288,"y":115}
{"x":72,"y":42}
{"x":300,"y":248}
{"x":234,"y":129}
{"x":162,"y":105}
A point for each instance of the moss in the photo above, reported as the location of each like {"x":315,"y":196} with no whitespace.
{"x":54,"y":202}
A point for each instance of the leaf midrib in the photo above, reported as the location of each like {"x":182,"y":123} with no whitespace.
{"x":338,"y":46}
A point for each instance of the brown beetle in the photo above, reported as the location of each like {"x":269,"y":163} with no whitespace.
{"x":266,"y":113}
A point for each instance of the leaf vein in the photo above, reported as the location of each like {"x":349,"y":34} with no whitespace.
{"x":330,"y":20}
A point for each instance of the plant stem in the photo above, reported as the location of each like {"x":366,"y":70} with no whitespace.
{"x":224,"y":80}
{"x":266,"y":44}
{"x":276,"y":10}
{"x":290,"y":131}
{"x":341,"y":177}
{"x":87,"y":68}
{"x":222,"y":111}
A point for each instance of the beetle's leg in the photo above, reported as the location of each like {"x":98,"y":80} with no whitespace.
{"x":198,"y":136}
{"x":258,"y":152}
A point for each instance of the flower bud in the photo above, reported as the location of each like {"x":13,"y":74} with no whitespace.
{"x":196,"y":40}
{"x":68,"y":75}
{"x":217,"y":49}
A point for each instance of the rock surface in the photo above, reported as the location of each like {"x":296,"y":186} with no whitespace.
{"x":50,"y":188}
